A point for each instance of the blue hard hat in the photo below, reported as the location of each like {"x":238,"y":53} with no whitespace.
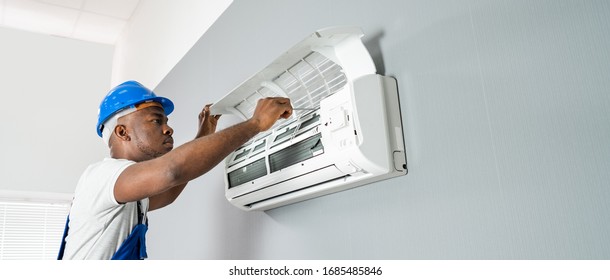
{"x":126,"y":95}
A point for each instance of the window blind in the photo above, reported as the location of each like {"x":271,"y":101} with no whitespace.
{"x":31,"y":230}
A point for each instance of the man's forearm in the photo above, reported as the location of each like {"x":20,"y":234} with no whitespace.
{"x":197,"y":157}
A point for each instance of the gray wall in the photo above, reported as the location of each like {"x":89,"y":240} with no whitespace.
{"x":505,"y":106}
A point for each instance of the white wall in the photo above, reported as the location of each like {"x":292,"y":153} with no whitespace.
{"x":158,"y":35}
{"x":50,"y":89}
{"x":505,"y":107}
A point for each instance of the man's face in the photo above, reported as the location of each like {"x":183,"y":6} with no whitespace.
{"x":150,"y":133}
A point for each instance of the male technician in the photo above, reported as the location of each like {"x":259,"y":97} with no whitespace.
{"x":108,"y":215}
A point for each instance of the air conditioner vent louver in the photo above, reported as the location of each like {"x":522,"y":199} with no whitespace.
{"x":349,"y":134}
{"x":295,"y":192}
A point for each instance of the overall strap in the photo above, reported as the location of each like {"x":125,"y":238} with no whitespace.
{"x":141,"y":217}
{"x":134,"y":247}
{"x":62,"y":247}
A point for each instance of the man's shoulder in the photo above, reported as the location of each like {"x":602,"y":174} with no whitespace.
{"x":108,"y":165}
{"x":111,"y":162}
{"x":101,"y":174}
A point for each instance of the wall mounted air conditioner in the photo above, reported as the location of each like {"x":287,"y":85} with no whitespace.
{"x":350,"y":133}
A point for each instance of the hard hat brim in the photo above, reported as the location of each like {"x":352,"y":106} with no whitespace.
{"x":168,"y":108}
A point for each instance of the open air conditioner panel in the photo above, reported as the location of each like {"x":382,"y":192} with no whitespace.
{"x":347,"y":132}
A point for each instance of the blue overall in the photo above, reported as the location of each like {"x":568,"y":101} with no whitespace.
{"x":133,"y":248}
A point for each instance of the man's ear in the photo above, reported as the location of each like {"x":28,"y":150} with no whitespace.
{"x":120,"y":131}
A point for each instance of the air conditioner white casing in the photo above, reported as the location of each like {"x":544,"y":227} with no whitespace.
{"x":349,"y":135}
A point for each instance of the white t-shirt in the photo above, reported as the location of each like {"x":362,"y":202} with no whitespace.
{"x":98,"y":223}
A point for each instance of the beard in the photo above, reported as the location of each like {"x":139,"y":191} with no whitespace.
{"x":147,"y":150}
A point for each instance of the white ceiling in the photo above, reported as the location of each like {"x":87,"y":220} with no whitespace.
{"x":100,"y":21}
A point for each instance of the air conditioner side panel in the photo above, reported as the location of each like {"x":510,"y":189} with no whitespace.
{"x":372,"y":115}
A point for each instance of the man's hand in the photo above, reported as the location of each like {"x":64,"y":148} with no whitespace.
{"x":269,"y":110}
{"x":207,"y":122}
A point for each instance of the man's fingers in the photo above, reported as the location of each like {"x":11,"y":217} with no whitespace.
{"x":284,"y":102}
